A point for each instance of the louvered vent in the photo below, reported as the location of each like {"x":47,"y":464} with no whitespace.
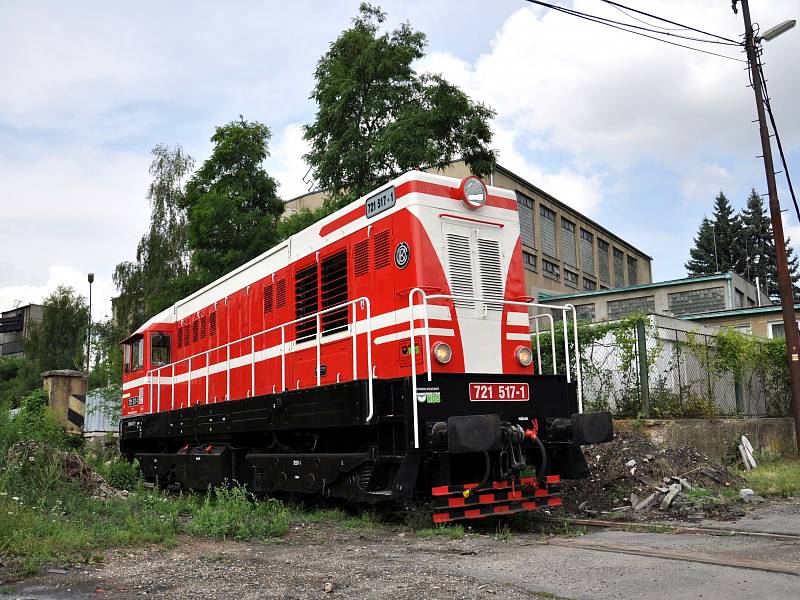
{"x":268,"y":299}
{"x":459,"y":269}
{"x":203,"y":327}
{"x":361,"y":257}
{"x":280,"y":293}
{"x":186,"y":339}
{"x":180,"y":337}
{"x":212,"y":326}
{"x":334,"y":292}
{"x":306,"y":301}
{"x":491,"y":271}
{"x":195,"y":330}
{"x":381,"y":249}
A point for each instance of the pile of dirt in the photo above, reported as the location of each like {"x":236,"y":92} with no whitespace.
{"x":29,"y":454}
{"x":632,"y":476}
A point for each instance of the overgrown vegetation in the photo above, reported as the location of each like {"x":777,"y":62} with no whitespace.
{"x":779,"y":477}
{"x":689,"y":375}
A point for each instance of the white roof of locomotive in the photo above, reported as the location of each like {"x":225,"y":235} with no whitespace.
{"x":297,"y":246}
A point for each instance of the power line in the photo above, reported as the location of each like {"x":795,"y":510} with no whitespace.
{"x":602,"y":21}
{"x":641,"y":12}
{"x":778,"y":139}
{"x":635,"y":18}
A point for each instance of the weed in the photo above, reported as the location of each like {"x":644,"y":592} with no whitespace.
{"x":452,"y":532}
{"x":503,"y":533}
{"x":775,"y":478}
{"x":233,"y":512}
{"x":123,"y":475}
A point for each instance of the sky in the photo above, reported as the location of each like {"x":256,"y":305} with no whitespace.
{"x":638,"y":135}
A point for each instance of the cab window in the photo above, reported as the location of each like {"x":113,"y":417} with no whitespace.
{"x":159,"y":350}
{"x":134,"y":355}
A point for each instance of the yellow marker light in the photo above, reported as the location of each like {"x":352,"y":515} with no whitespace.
{"x":524,"y":355}
{"x":442,"y":352}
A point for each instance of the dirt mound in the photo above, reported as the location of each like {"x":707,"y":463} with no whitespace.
{"x":28,"y":454}
{"x":627,"y":471}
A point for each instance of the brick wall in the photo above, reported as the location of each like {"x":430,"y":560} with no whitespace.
{"x":695,"y":301}
{"x":620,"y":308}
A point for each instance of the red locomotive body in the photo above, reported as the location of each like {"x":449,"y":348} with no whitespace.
{"x":384,"y":353}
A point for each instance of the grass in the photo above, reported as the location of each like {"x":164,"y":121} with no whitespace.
{"x":775,"y":478}
{"x":450,"y":532}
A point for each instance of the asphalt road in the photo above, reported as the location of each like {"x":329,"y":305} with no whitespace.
{"x":394,"y":563}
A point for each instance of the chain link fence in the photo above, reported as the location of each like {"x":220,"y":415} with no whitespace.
{"x":651,"y":367}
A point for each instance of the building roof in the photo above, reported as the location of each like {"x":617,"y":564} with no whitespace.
{"x":639,"y":286}
{"x":539,"y":191}
{"x":561,"y":204}
{"x":737,"y":312}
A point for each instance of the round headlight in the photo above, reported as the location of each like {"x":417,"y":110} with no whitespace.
{"x":442,"y":352}
{"x":473,"y":192}
{"x":524,"y":356}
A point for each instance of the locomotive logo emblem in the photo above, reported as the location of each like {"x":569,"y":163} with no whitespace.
{"x":402,"y":255}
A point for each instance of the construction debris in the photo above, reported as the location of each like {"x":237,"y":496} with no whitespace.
{"x":631,"y":475}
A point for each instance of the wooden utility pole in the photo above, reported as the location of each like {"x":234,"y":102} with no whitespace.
{"x":784,"y":280}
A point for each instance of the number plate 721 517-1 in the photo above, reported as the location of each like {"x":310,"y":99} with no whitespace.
{"x":500,"y":392}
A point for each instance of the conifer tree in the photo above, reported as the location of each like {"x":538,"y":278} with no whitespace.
{"x":704,"y":254}
{"x":717,"y":245}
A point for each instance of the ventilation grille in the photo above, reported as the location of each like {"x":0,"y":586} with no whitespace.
{"x":362,"y":257}
{"x":186,"y":339}
{"x":195,"y":330}
{"x":305,"y":287}
{"x":212,"y":326}
{"x":381,"y":249}
{"x":491,"y":269}
{"x":203,"y":327}
{"x":268,"y":298}
{"x":180,"y":337}
{"x":334,"y":292}
{"x":280,"y":293}
{"x":459,"y":269}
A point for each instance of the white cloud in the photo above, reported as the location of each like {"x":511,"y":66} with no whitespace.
{"x":704,"y":182}
{"x":614,"y":99}
{"x":102,"y":290}
{"x":286,"y":163}
{"x":581,"y":192}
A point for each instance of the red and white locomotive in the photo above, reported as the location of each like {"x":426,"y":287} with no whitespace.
{"x":382,"y":354}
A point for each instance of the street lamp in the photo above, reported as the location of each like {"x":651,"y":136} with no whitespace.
{"x":784,"y":280}
{"x":773,"y":32}
{"x":89,"y":330}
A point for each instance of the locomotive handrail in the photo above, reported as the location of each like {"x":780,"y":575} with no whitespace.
{"x":426,"y":353}
{"x":363,"y":300}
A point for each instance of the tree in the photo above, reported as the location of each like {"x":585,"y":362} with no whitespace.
{"x":377,"y":117}
{"x":717,"y":245}
{"x":59,"y":341}
{"x":151,"y":283}
{"x":231,"y":202}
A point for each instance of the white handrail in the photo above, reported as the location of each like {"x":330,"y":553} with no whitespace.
{"x":535,"y":319}
{"x":363,"y":301}
{"x":427,"y":350}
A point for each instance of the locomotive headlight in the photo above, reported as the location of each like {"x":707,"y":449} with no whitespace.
{"x":442,"y":352}
{"x":473,"y":191}
{"x":524,"y":356}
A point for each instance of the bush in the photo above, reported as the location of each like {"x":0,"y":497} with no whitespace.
{"x":233,"y":512}
{"x":122,"y":474}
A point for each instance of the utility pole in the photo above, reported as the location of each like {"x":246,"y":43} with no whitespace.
{"x":784,"y":281}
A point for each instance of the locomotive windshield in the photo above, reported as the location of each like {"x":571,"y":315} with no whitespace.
{"x":134,"y":354}
{"x":159,"y":350}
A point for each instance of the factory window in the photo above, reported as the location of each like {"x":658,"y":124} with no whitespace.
{"x":602,"y":259}
{"x":569,"y":252}
{"x":526,"y":226}
{"x":529,"y":260}
{"x":589,"y":285}
{"x":547,"y":224}
{"x":570,"y":278}
{"x":551,"y":270}
{"x":619,"y":268}
{"x":632,"y":276}
{"x":587,"y":252}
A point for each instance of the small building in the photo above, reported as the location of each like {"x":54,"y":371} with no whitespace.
{"x":562,"y":249}
{"x":15,"y":326}
{"x":761,"y":321}
{"x":675,"y":298}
